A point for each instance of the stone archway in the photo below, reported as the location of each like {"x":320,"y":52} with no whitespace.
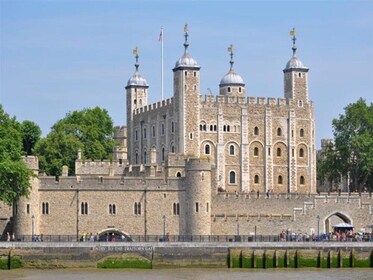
{"x":113,"y":235}
{"x":335,"y":218}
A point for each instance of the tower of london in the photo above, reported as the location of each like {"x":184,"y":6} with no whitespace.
{"x":197,"y":164}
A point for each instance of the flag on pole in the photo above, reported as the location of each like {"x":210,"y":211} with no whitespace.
{"x":292,"y":32}
{"x":135,"y":51}
{"x":160,"y":35}
{"x":186,"y":28}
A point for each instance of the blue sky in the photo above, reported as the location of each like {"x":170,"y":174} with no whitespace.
{"x":60,"y":56}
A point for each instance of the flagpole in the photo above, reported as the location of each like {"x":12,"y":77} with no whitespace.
{"x":162,"y":61}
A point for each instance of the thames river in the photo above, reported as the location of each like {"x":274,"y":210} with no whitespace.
{"x":204,"y":274}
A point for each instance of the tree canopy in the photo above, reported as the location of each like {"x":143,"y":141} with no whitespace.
{"x":14,"y":174}
{"x":351,"y":155}
{"x":89,"y":129}
{"x":31,"y":133}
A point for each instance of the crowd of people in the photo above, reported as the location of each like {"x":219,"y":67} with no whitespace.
{"x":339,"y":235}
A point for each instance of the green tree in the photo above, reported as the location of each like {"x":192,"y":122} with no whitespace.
{"x":14,"y":174}
{"x":89,"y":129}
{"x":352,"y":154}
{"x":31,"y":133}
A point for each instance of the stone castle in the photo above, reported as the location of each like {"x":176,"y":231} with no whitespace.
{"x":197,"y":165}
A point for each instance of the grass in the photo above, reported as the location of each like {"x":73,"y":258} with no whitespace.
{"x":129,"y":262}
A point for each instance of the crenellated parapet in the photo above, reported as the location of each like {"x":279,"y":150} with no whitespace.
{"x":98,"y":167}
{"x":221,"y":99}
{"x":32,"y":162}
{"x":154,"y":106}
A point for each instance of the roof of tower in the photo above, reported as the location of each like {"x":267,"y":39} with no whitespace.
{"x":186,"y":60}
{"x":137,"y":79}
{"x":294,"y":62}
{"x":231,"y":78}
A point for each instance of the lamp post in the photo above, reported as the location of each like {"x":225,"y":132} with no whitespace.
{"x":318,"y":227}
{"x":32,"y":227}
{"x":164,"y":227}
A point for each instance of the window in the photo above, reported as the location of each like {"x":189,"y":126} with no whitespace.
{"x":239,"y":89}
{"x":134,"y":102}
{"x":207,"y":207}
{"x":202,"y":176}
{"x":292,"y":133}
{"x":100,"y":179}
{"x":197,"y":207}
{"x":269,"y":151}
{"x":224,"y":128}
{"x":256,"y":179}
{"x":231,"y":150}
{"x":162,"y":129}
{"x":120,"y":161}
{"x":178,"y":174}
{"x":153,"y":131}
{"x":215,"y":127}
{"x":278,"y":152}
{"x":301,"y":132}
{"x":145,"y":155}
{"x":207,"y":149}
{"x":279,"y":132}
{"x":279,"y":180}
{"x":228,"y":128}
{"x":136,"y":158}
{"x":232,"y":177}
{"x":292,"y":152}
{"x":191,"y":136}
{"x":256,"y":130}
{"x":144,"y":136}
{"x":112,"y":209}
{"x":300,"y":75}
{"x":163,"y":153}
{"x":84,"y":208}
{"x":229,"y":89}
{"x":137,"y":208}
{"x":301,"y":180}
{"x":186,"y":73}
{"x":172,"y":149}
{"x":300,"y":103}
{"x":28,"y":208}
{"x":176,"y":209}
{"x":45,"y":208}
{"x":172,"y":127}
{"x":256,"y":151}
{"x":136,"y":135}
{"x":194,"y":74}
{"x":301,"y":152}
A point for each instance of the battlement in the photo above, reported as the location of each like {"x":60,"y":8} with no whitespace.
{"x":175,"y":160}
{"x":32,"y":162}
{"x":120,"y":131}
{"x":220,"y":99}
{"x":154,"y":106}
{"x":202,"y":163}
{"x":98,"y":167}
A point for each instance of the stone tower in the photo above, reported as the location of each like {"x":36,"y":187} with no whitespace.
{"x":198,"y":196}
{"x":137,"y":97}
{"x":186,"y":98}
{"x":26,"y":210}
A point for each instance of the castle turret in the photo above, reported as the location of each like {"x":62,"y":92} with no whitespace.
{"x":186,"y":97}
{"x":26,"y":212}
{"x":198,"y":196}
{"x":137,"y":97}
{"x":296,"y":77}
{"x":232,"y":84}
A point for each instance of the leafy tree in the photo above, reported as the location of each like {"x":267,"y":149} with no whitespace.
{"x":88,"y":129}
{"x":352,"y":154}
{"x":31,"y":133}
{"x":14,"y":174}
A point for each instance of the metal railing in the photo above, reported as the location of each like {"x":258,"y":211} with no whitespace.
{"x":178,"y":238}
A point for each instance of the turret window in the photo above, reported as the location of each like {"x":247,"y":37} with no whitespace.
{"x":256,"y":130}
{"x":301,"y":132}
{"x":232,"y":177}
{"x":256,"y":151}
{"x":256,"y":179}
{"x":137,"y":208}
{"x":135,"y":101}
{"x":239,"y":89}
{"x":231,"y":150}
{"x":301,"y":152}
{"x":195,"y":74}
{"x":279,"y":180}
{"x":278,"y":152}
{"x":301,"y":180}
{"x":163,"y":153}
{"x":112,"y":209}
{"x":207,"y":149}
{"x":176,"y":209}
{"x":136,"y":135}
{"x":84,"y":208}
{"x":229,"y":89}
{"x":45,"y":208}
{"x":172,"y":127}
{"x":279,"y":131}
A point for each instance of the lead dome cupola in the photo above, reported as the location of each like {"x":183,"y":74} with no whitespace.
{"x":294,"y":62}
{"x":231,"y":78}
{"x":137,"y":79}
{"x":186,"y":60}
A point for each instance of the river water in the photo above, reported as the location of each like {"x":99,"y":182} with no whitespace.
{"x":188,"y":274}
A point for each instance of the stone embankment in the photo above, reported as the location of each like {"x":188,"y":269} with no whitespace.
{"x":169,"y":254}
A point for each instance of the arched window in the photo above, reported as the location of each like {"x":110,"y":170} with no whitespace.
{"x":256,"y":130}
{"x":224,"y":128}
{"x":301,"y":152}
{"x":256,"y":151}
{"x":172,"y":127}
{"x":178,"y":174}
{"x":279,"y":132}
{"x":279,"y":180}
{"x":172,"y":149}
{"x":278,"y":152}
{"x":207,"y":149}
{"x":228,"y":128}
{"x":232,"y":177}
{"x":211,"y":127}
{"x":145,"y":154}
{"x":215,"y":127}
{"x":301,"y":132}
{"x":256,"y":179}
{"x":136,"y":158}
{"x":301,"y":180}
{"x":144,"y":133}
{"x":229,"y":89}
{"x":231,"y":150}
{"x":163,"y":153}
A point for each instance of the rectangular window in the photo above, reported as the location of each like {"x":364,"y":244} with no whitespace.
{"x":172,"y":127}
{"x":162,"y":129}
{"x":45,"y":208}
{"x":197,"y":207}
{"x":207,"y":207}
{"x":28,"y":208}
{"x":136,"y":136}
